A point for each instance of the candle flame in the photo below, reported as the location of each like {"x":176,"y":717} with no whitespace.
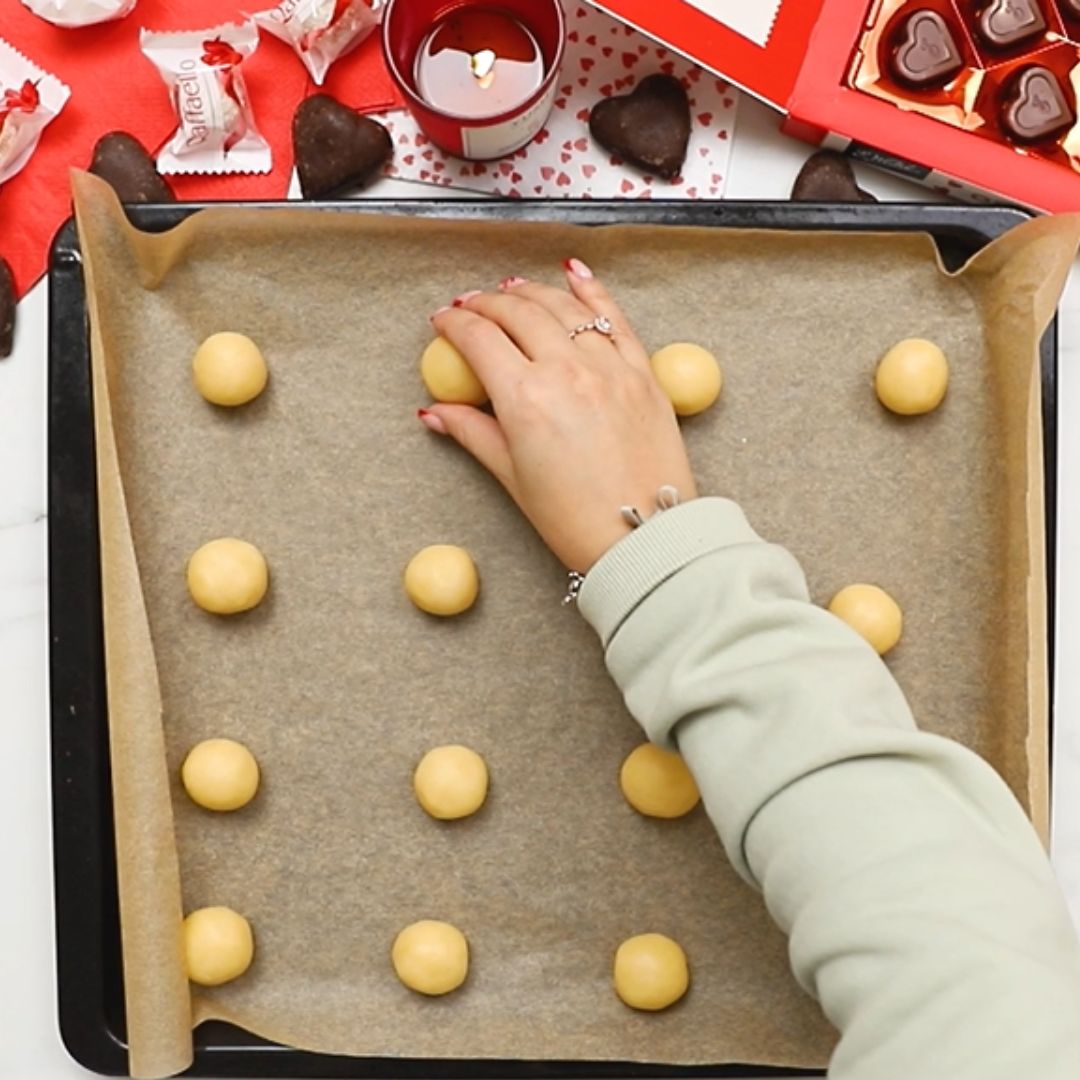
{"x":482,"y":65}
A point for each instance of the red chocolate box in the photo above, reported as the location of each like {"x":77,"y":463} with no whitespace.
{"x":974,"y":97}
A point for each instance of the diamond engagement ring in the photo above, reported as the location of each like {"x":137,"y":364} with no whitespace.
{"x":601,"y":324}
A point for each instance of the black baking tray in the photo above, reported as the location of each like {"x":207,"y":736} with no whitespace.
{"x":90,"y":982}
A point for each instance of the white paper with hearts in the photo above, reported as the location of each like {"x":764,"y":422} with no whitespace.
{"x":603,"y":57}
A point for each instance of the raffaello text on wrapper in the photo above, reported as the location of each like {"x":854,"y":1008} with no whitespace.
{"x":321,"y":31}
{"x":72,"y":13}
{"x":203,"y":71}
{"x":29,"y":100}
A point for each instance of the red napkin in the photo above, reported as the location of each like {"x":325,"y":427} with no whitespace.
{"x":114,"y":87}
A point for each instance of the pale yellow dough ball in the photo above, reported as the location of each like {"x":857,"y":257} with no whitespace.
{"x":448,"y":377}
{"x":218,"y":945}
{"x":651,"y":972}
{"x":227,"y":576}
{"x":431,"y":957}
{"x":871,"y":612}
{"x":229,"y":369}
{"x":657,"y":783}
{"x":912,"y":377}
{"x":442,"y":580}
{"x":689,"y":375}
{"x":451,"y":782}
{"x":220,"y":774}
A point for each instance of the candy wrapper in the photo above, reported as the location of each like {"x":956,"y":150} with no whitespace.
{"x":202,"y":69}
{"x":321,"y":31}
{"x":29,"y":99}
{"x":70,"y":13}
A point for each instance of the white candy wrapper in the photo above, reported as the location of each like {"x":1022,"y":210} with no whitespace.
{"x":29,"y":100}
{"x":201,"y":68}
{"x":321,"y":31}
{"x":70,"y":13}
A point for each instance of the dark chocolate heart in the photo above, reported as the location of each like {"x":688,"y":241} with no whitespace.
{"x":1070,"y":7}
{"x":649,"y":127}
{"x":1034,"y":107}
{"x":927,"y":52}
{"x":1005,"y":23}
{"x":122,"y":161}
{"x":828,"y":177}
{"x":336,"y":148}
{"x":7,"y":309}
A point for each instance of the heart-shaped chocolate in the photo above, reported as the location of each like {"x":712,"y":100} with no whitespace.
{"x":1070,"y":7}
{"x":7,"y":309}
{"x":649,"y":127}
{"x":122,"y":161}
{"x":1034,"y":106}
{"x":335,"y":147}
{"x":828,"y":177}
{"x":926,"y":53}
{"x":1005,"y":23}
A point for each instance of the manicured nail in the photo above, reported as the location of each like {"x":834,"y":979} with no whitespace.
{"x":431,"y":421}
{"x":578,"y":269}
{"x":442,"y":310}
{"x":511,"y":282}
{"x":465,"y":297}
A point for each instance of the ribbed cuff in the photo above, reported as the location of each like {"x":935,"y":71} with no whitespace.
{"x":654,"y":552}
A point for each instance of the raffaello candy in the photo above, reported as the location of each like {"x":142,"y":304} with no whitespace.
{"x":29,"y":100}
{"x":202,"y":69}
{"x":71,"y":13}
{"x":321,"y":31}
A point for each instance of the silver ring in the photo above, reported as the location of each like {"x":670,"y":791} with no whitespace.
{"x":601,"y":324}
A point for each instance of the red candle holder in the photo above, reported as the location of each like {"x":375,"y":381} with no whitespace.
{"x":480,"y":77}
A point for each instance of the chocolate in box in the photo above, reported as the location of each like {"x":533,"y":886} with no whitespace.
{"x":977,"y":98}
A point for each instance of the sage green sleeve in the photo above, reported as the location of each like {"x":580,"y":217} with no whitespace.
{"x":921,"y":909}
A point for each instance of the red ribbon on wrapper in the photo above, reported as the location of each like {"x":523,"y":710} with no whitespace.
{"x":29,"y":100}
{"x":201,"y":68}
{"x":71,"y":13}
{"x":321,"y":31}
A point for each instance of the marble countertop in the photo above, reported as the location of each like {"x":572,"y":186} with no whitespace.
{"x":763,"y":166}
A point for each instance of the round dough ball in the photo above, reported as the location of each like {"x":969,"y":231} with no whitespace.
{"x":657,"y":783}
{"x":912,"y":377}
{"x":229,"y":369}
{"x":431,"y":957}
{"x":220,"y":774}
{"x":451,"y":782}
{"x":871,"y":612}
{"x":442,"y":580}
{"x":218,"y":945}
{"x":448,"y":377}
{"x":689,"y":375}
{"x":227,"y":576}
{"x":651,"y":972}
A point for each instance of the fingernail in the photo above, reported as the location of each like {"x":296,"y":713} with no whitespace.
{"x":465,"y":297}
{"x":511,"y":282}
{"x":578,"y":269}
{"x":431,"y":421}
{"x":436,"y":314}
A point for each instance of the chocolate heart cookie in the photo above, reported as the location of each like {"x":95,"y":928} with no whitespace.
{"x":122,"y":161}
{"x":926,"y":53}
{"x":1034,"y":106}
{"x":649,"y":127}
{"x":7,"y":309}
{"x":828,"y":177}
{"x":1005,"y":23}
{"x":335,"y":147}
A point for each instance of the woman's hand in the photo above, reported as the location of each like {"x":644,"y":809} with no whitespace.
{"x":581,"y":427}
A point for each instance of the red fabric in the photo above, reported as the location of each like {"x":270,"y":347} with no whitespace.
{"x":114,"y":87}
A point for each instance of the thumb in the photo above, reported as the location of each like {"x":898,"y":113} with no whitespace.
{"x":478,"y":433}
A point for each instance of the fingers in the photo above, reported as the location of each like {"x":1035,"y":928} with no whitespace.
{"x":590,"y":291}
{"x":496,"y":360}
{"x":478,"y":433}
{"x":534,"y":328}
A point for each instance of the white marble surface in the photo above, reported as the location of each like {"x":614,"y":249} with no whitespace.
{"x":763,"y":166}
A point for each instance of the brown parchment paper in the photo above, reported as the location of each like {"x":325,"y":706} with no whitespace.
{"x":338,"y":685}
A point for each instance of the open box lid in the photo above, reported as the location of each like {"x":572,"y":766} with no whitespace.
{"x":757,"y":44}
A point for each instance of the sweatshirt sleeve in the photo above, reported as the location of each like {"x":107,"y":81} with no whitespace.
{"x":921,"y":909}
